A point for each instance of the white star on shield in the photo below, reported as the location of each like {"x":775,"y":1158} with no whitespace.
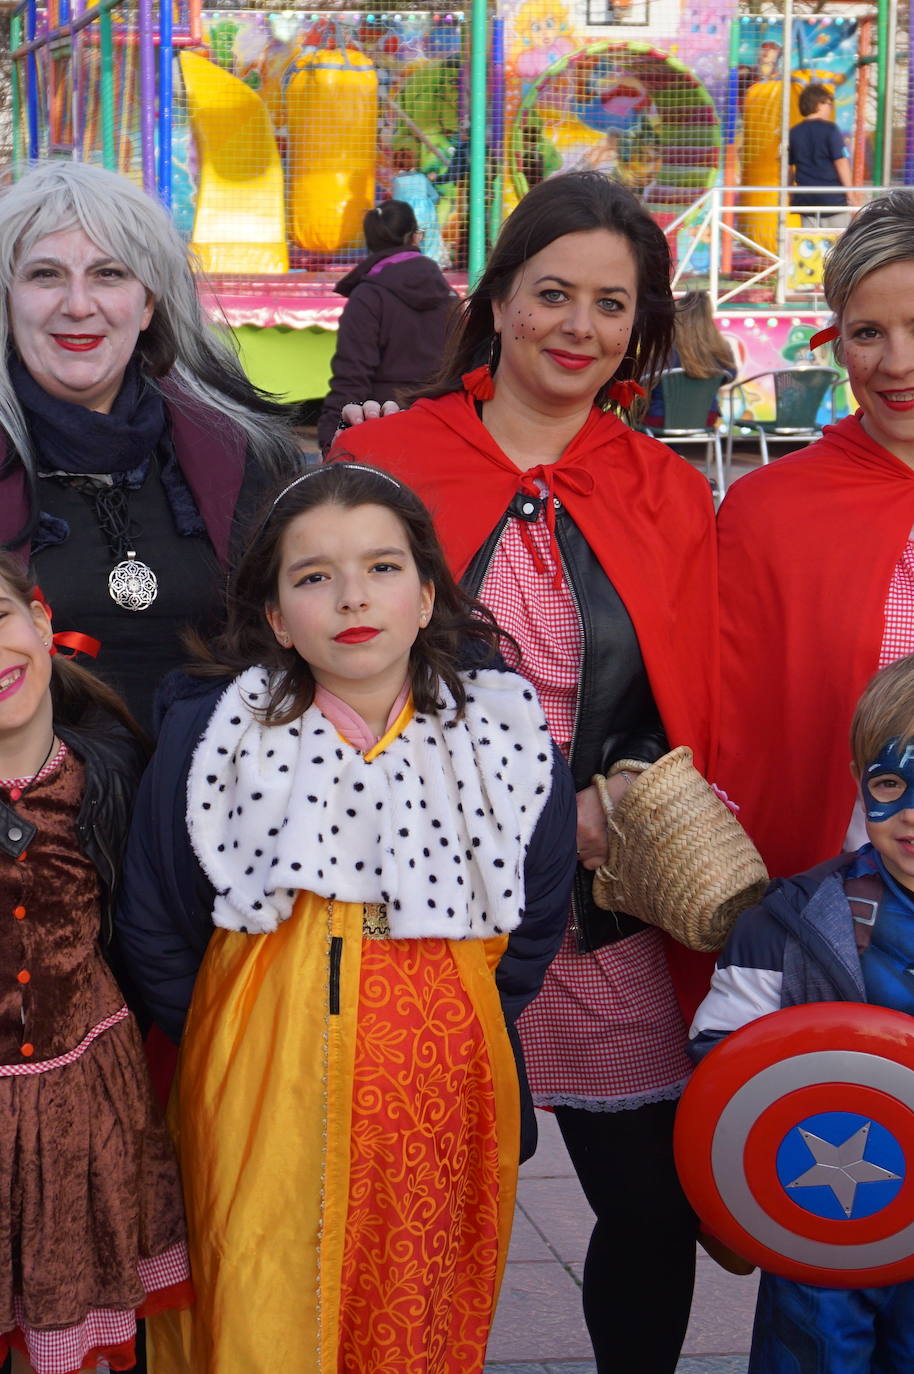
{"x":840,"y":1167}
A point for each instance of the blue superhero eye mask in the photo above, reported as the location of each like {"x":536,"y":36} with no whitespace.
{"x":898,"y":760}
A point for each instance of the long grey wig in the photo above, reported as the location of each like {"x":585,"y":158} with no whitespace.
{"x":125,"y":222}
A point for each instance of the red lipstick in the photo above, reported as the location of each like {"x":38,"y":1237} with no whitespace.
{"x":359,"y":634}
{"x":78,"y":343}
{"x":574,"y":362}
{"x":15,"y":684}
{"x":898,"y":400}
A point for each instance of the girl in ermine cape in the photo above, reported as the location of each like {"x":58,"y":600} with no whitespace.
{"x":348,"y":871}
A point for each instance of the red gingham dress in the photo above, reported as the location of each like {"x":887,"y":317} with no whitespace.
{"x":606,"y":1032}
{"x":897,"y":640}
{"x":898,"y":635}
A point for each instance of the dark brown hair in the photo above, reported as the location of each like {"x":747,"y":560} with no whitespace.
{"x":76,"y":695}
{"x":812,"y":96}
{"x":884,"y":712}
{"x":248,"y":639}
{"x":571,"y":203}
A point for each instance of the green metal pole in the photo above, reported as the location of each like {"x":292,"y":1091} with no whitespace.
{"x":882,"y":112}
{"x":106,"y":92}
{"x":16,"y":107}
{"x":476,"y":246}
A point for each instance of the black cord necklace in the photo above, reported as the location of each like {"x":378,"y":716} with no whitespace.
{"x":131,"y":583}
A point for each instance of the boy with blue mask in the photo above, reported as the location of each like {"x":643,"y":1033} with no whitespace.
{"x":843,"y":931}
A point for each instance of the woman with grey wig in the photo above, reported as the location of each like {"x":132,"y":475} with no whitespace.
{"x":131,"y":442}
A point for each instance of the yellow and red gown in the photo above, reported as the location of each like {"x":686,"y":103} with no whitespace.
{"x":347,"y":1120}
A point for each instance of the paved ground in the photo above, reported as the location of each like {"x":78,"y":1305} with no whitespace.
{"x":539,"y":1328}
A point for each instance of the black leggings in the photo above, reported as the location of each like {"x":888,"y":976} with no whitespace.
{"x":640,"y":1266}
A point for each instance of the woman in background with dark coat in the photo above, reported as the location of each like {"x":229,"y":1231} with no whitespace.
{"x":392,"y":330}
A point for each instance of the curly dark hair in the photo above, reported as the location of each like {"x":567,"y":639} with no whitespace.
{"x":571,"y":203}
{"x":248,"y":639}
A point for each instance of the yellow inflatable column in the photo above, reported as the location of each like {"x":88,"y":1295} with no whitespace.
{"x":332,"y":118}
{"x":761,"y":156}
{"x":239,"y":224}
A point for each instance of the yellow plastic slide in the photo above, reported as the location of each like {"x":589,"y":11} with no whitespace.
{"x":240,"y":223}
{"x":332,"y":113}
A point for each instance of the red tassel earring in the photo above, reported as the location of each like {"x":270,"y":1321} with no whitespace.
{"x":479,"y":383}
{"x":623,"y":393}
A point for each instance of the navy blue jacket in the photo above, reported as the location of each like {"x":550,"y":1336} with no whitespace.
{"x":164,"y":919}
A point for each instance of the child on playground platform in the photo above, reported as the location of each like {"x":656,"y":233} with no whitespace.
{"x":93,"y":1222}
{"x":814,"y":938}
{"x":387,"y":843}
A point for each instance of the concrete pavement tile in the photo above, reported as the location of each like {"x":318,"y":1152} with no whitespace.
{"x":539,"y":1316}
{"x":713,"y":1364}
{"x":526,"y":1242}
{"x":550,"y":1367}
{"x":551,"y":1158}
{"x":559,"y":1211}
{"x":722,"y":1311}
{"x":514,"y":1368}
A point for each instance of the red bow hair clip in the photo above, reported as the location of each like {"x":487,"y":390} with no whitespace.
{"x":824,"y":336}
{"x":72,"y":640}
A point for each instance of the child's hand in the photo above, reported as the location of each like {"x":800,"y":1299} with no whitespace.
{"x":356,"y":413}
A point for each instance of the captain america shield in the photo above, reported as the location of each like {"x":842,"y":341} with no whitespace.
{"x":795,"y":1144}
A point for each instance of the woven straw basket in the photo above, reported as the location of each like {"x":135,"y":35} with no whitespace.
{"x":678,"y":857}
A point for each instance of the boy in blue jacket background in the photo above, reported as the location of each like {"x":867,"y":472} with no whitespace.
{"x":842,"y":931}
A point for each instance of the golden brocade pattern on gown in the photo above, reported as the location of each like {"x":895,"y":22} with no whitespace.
{"x":421,"y":1250}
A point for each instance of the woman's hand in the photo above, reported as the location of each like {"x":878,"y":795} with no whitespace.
{"x":355,"y":414}
{"x":592,"y":842}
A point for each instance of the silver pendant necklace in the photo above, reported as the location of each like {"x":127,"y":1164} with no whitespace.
{"x":132,"y":584}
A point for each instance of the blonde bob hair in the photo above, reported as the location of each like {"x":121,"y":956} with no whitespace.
{"x":880,"y":234}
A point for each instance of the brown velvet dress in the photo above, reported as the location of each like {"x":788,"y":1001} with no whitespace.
{"x":85,"y":1162}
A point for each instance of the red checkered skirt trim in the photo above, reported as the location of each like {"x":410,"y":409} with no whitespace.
{"x":105,"y":1336}
{"x":71,"y":1056}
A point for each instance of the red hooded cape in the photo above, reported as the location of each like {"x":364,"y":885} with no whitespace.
{"x":807,"y":550}
{"x":644,"y":511}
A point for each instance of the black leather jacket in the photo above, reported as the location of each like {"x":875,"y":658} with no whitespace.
{"x":616,"y":714}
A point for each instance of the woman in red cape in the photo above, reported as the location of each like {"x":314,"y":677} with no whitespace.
{"x":817,"y":565}
{"x":594,"y":547}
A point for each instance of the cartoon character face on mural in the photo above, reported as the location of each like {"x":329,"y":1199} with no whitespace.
{"x":807,"y":260}
{"x":543,"y":32}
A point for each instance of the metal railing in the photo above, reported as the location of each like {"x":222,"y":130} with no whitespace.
{"x":750,"y":233}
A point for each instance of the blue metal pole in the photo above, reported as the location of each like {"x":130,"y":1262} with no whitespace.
{"x":166,"y":96}
{"x":31,"y":33}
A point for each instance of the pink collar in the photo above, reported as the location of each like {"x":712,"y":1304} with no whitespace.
{"x":348,"y":721}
